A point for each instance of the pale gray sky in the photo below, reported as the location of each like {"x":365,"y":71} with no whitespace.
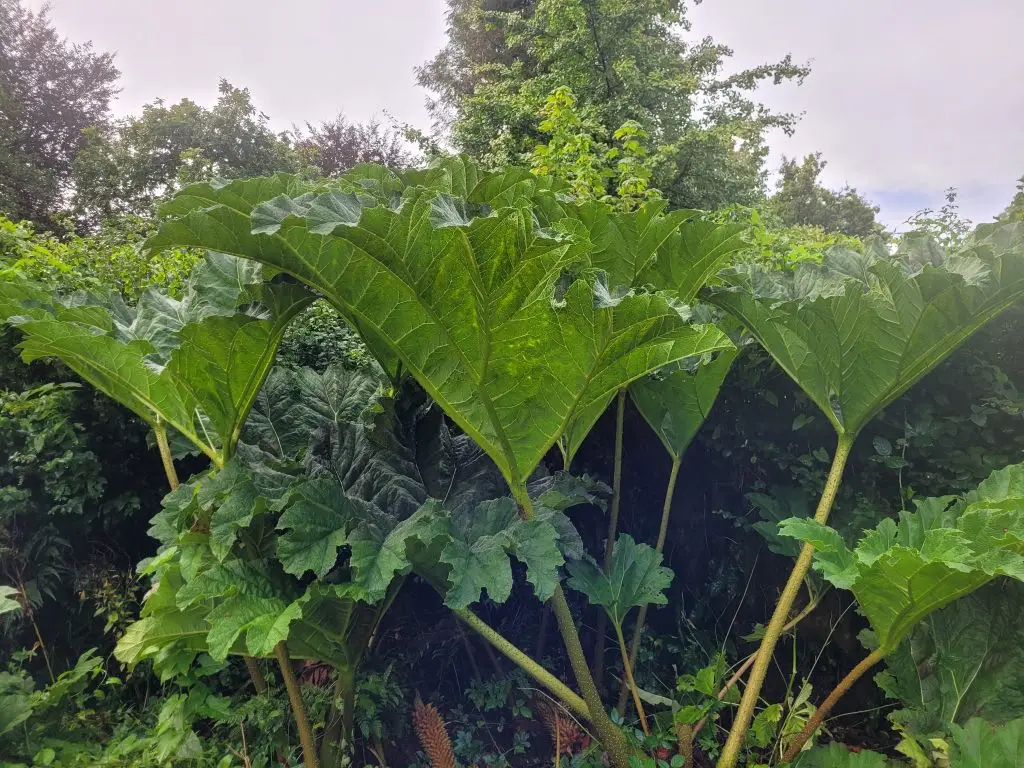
{"x":906,"y":97}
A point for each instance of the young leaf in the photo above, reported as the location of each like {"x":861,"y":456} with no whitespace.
{"x":9,"y":602}
{"x":902,"y":573}
{"x":859,"y":330}
{"x":479,"y":549}
{"x":636,"y":578}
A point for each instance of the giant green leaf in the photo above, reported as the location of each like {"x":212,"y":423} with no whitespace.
{"x":860,"y":329}
{"x":195,"y":363}
{"x":962,"y":662}
{"x":636,"y":578}
{"x":691,"y":256}
{"x":676,"y":400}
{"x":903,"y":572}
{"x":469,"y":298}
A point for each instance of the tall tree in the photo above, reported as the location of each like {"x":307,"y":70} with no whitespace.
{"x":126,"y":166}
{"x":51,"y":90}
{"x":801,"y":198}
{"x":335,"y":146}
{"x":624,"y":60}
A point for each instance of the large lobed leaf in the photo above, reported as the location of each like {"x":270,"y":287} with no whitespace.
{"x":462,"y":545}
{"x":470,"y":298}
{"x":235,"y":538}
{"x":238,"y":609}
{"x":860,"y":329}
{"x":962,"y":662}
{"x":980,"y":745}
{"x":903,"y":572}
{"x":841,"y":756}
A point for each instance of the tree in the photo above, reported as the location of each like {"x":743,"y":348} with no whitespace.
{"x":51,"y":90}
{"x":125,"y":167}
{"x":1015,"y":210}
{"x":946,"y":225}
{"x":624,"y":60}
{"x":335,"y":146}
{"x":802,"y":199}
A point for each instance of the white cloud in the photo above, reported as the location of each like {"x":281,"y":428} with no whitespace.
{"x":905,"y":96}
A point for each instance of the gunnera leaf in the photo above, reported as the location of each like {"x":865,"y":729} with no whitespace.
{"x":962,"y":662}
{"x":195,"y":364}
{"x":901,"y":573}
{"x":463,"y":294}
{"x":860,"y":329}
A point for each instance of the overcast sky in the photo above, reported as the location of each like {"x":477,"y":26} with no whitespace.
{"x":906,"y":97}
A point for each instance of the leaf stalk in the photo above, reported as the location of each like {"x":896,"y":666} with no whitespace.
{"x":309,"y":756}
{"x":613,"y":529}
{"x":830,"y":701}
{"x":659,"y":547}
{"x":772,"y":633}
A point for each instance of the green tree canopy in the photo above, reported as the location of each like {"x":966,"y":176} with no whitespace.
{"x":624,"y":60}
{"x":51,"y":90}
{"x":1015,"y":210}
{"x":125,"y":167}
{"x":801,"y":199}
{"x":339,"y":145}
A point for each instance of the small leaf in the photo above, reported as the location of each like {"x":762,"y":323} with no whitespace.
{"x":9,"y":601}
{"x":636,"y":578}
{"x":801,"y":421}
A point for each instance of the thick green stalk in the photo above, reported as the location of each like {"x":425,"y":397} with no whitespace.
{"x":608,"y":734}
{"x":613,"y":529}
{"x":258,"y":681}
{"x":337,"y":736}
{"x":165,"y":455}
{"x":818,"y":717}
{"x":309,"y":756}
{"x":564,"y":693}
{"x":745,"y":713}
{"x":659,"y":546}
